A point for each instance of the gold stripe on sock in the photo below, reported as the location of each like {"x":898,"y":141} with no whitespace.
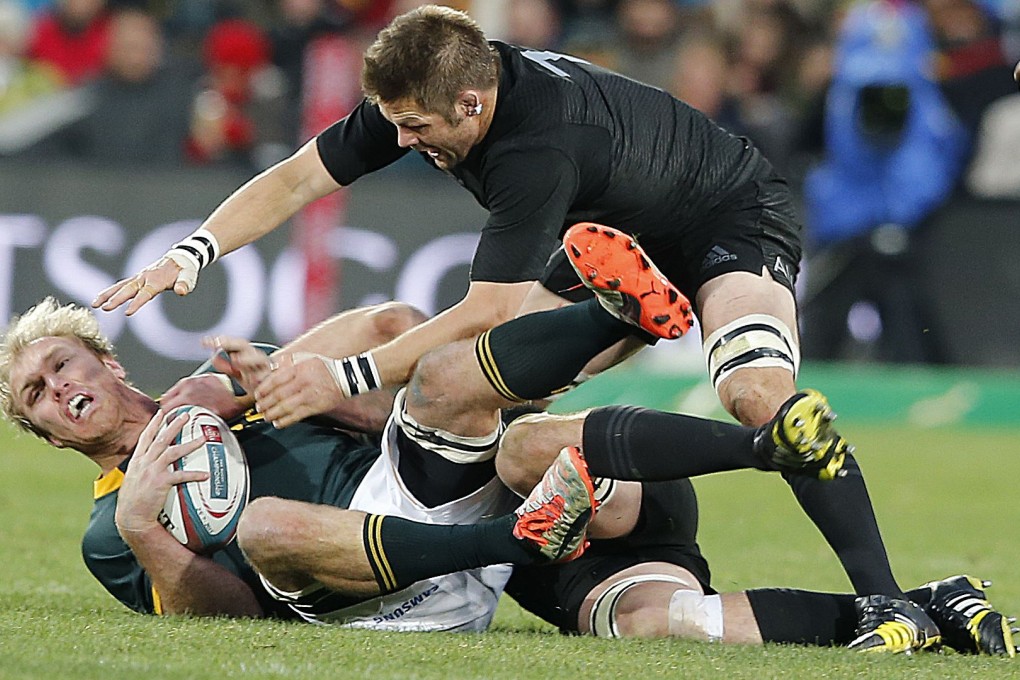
{"x":490,"y":370}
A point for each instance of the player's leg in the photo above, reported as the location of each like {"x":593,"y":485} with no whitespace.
{"x":661,"y":599}
{"x":559,"y":287}
{"x":748,"y":315}
{"x":749,"y":323}
{"x":842,"y":510}
{"x":628,"y":443}
{"x":296,"y":545}
{"x":533,"y":441}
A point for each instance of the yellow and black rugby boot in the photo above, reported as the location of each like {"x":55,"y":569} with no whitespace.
{"x":967,"y":620}
{"x":800,"y":438}
{"x":891,"y":625}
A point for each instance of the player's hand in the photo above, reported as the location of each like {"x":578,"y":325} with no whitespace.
{"x":137,"y":290}
{"x":209,"y":390}
{"x":149,"y":478}
{"x":239,"y":359}
{"x":299,"y":386}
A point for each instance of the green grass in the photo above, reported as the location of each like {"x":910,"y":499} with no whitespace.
{"x":947,"y":500}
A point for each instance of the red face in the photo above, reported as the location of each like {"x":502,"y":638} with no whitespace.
{"x":77,"y":398}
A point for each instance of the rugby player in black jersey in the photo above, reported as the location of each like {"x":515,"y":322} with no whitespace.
{"x":643,"y":575}
{"x":543,"y":141}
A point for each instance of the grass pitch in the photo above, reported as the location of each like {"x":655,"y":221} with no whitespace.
{"x":946,"y":500}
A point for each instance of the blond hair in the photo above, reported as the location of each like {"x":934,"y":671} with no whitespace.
{"x":429,"y":55}
{"x":47,"y":319}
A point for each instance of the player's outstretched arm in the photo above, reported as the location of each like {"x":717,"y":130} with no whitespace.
{"x":294,"y":391}
{"x":259,"y":206}
{"x":186,"y":582}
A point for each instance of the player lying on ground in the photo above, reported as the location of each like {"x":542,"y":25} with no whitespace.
{"x":709,"y":208}
{"x":419,"y":571}
{"x":616,"y":589}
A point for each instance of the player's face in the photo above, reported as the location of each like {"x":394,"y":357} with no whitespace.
{"x":447,"y":144}
{"x":69,"y":393}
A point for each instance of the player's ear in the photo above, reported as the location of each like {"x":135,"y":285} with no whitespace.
{"x":469,"y":103}
{"x":115,"y":367}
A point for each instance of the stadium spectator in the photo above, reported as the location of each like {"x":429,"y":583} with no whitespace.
{"x":588,"y":22}
{"x":238,"y":115}
{"x":894,"y":152}
{"x":974,"y":74}
{"x":763,"y":74}
{"x":299,"y":22}
{"x":647,"y":579}
{"x":137,"y":111}
{"x":710,"y":208}
{"x":971,"y":67}
{"x":645,"y":48}
{"x":71,"y":37}
{"x":22,"y":80}
{"x":534,"y":23}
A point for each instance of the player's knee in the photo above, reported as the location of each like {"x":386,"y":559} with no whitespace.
{"x":637,"y":616}
{"x":753,"y":398}
{"x":430,"y":383}
{"x":633,"y":606}
{"x":515,"y":459}
{"x":753,"y":362}
{"x":261,"y":529}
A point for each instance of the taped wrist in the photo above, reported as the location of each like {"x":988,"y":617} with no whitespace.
{"x":201,"y":249}
{"x":194,"y":253}
{"x":354,"y":375}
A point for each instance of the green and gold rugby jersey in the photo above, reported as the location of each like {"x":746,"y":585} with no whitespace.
{"x":307,"y":462}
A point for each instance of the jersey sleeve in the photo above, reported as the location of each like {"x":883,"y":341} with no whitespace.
{"x":361,"y":143}
{"x":528,"y":192}
{"x":112,"y":563}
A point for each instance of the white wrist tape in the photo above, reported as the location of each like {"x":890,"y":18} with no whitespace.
{"x":354,"y":375}
{"x":194,"y":253}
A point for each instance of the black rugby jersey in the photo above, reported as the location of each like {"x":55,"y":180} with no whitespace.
{"x":304,"y":462}
{"x":571,"y":142}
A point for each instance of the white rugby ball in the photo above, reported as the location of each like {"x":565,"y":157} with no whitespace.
{"x":204,"y":515}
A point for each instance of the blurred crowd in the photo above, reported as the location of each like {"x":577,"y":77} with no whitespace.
{"x":225,"y":81}
{"x":877,"y":110}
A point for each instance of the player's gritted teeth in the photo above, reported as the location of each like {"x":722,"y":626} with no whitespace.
{"x":78,"y":405}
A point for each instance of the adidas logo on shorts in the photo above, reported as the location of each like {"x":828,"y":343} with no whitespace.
{"x":717,"y":255}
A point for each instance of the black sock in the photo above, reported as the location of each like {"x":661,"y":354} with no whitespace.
{"x":633,"y":443}
{"x":535,"y":355}
{"x":842,"y":511}
{"x":401,"y":551}
{"x":804,"y":617}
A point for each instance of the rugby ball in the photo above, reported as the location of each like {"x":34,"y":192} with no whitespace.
{"x":203,"y":515}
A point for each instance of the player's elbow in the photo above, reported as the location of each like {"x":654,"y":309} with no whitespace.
{"x":392,"y":319}
{"x":488,"y":305}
